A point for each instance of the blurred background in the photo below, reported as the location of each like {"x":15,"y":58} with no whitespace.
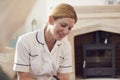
{"x":21,"y":16}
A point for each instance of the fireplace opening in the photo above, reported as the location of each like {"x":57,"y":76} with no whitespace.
{"x":98,"y":60}
{"x":98,"y":57}
{"x":96,"y":54}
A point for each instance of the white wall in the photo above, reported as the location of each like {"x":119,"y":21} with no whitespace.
{"x":76,"y":2}
{"x":38,"y":12}
{"x":52,"y":3}
{"x":42,"y":8}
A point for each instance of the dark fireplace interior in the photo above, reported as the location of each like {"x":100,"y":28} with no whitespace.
{"x":97,"y":54}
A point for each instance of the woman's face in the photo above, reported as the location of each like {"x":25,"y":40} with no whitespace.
{"x":61,"y":27}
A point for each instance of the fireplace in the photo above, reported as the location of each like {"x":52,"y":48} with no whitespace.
{"x":91,"y":19}
{"x":99,"y":61}
{"x":99,"y":56}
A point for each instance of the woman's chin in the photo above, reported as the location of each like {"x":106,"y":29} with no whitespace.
{"x":59,"y":38}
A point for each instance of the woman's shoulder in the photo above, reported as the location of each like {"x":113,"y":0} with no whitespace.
{"x":28,"y":35}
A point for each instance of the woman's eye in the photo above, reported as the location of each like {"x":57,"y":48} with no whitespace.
{"x":63,"y":25}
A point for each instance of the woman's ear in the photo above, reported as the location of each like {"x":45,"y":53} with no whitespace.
{"x":51,"y":20}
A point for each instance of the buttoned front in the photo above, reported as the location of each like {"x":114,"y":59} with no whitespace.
{"x":32,"y":55}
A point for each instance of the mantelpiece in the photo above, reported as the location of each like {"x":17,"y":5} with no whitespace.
{"x":94,"y":18}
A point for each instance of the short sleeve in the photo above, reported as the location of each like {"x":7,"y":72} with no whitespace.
{"x":21,"y":59}
{"x":66,"y":63}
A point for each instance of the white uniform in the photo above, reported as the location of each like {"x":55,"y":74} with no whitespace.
{"x":32,"y":55}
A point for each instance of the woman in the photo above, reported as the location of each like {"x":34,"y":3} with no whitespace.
{"x":46,"y":54}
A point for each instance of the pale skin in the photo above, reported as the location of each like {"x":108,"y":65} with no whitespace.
{"x":25,"y":76}
{"x":55,"y":30}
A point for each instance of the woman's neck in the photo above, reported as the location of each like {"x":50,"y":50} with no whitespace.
{"x":50,"y":40}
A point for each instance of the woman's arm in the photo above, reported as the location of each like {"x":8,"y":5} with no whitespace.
{"x":24,"y":76}
{"x":63,"y":76}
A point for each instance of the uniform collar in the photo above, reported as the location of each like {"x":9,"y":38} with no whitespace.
{"x":41,"y":39}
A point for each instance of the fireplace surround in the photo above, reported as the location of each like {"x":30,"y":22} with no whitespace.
{"x":91,"y":19}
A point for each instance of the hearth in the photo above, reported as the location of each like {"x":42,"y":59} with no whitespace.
{"x":99,"y":56}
